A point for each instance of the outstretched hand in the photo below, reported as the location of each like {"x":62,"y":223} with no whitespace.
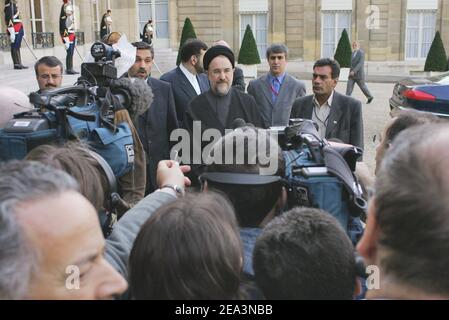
{"x":170,"y":172}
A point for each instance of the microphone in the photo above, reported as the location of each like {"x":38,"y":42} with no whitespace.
{"x":238,"y":123}
{"x":137,"y":93}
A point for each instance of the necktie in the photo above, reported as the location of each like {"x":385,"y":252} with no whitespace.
{"x":275,"y":88}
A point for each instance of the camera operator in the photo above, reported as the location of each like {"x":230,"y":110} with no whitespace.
{"x":49,"y":73}
{"x":255,"y":205}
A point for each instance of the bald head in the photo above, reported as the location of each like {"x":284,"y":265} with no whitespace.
{"x":12,"y":101}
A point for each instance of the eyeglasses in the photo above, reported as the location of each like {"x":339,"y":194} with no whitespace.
{"x":48,"y":76}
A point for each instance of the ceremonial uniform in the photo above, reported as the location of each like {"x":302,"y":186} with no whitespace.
{"x":105,"y":27}
{"x":147,"y":33}
{"x":67,"y":31}
{"x":15,"y":31}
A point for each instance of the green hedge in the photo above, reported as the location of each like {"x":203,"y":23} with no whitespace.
{"x":437,"y":58}
{"x":344,"y":52}
{"x":188,"y":32}
{"x":248,"y":51}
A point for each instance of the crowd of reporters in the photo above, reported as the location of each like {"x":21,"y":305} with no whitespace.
{"x":221,"y":241}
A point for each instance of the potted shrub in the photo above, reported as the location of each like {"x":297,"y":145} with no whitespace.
{"x":188,"y":32}
{"x":343,"y":55}
{"x":436,"y":61}
{"x":249,"y":55}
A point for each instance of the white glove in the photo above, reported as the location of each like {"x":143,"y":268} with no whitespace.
{"x":67,"y":43}
{"x":12,"y":34}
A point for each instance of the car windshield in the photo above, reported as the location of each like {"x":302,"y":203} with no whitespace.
{"x":441,"y":79}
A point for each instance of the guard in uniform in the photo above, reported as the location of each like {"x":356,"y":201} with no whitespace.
{"x":67,"y":31}
{"x":15,"y":32}
{"x":106,"y":24}
{"x":147,"y":33}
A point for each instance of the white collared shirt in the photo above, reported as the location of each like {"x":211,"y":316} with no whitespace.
{"x":192,"y":79}
{"x":320,"y":114}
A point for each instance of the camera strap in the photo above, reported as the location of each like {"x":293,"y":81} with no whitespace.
{"x":338,"y":166}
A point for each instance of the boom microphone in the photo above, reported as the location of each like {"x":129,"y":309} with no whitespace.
{"x":137,"y":94}
{"x":238,"y":123}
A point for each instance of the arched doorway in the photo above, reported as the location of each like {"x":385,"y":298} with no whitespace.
{"x":157,"y":10}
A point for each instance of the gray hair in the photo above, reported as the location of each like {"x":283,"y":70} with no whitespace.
{"x":412,"y":209}
{"x":277,"y":48}
{"x":22,"y":181}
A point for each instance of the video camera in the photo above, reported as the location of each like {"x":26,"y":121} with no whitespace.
{"x":317,"y":174}
{"x":85,"y":112}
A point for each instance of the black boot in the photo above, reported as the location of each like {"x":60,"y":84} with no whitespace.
{"x":15,"y":59}
{"x":19,"y":60}
{"x":69,"y":63}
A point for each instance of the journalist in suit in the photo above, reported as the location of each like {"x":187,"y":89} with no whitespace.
{"x":357,"y":72}
{"x":188,"y":79}
{"x":276,"y":91}
{"x":157,"y":123}
{"x":337,"y":116}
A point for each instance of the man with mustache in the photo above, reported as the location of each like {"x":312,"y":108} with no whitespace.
{"x":156,"y":124}
{"x":48,"y":73}
{"x":337,"y":116}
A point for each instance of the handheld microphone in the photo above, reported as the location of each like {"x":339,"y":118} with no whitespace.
{"x":240,"y":123}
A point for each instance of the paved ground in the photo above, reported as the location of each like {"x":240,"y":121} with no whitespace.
{"x":375,"y":114}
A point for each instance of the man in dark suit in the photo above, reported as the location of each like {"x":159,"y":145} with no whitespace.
{"x":357,"y":72}
{"x":155,"y":125}
{"x":188,"y":79}
{"x":338,"y":116}
{"x":276,"y":91}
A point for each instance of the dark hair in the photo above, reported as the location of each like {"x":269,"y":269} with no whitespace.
{"x":251,"y":203}
{"x":406,"y":119}
{"x":188,"y":250}
{"x":412,"y":205}
{"x":192,"y":47}
{"x":277,"y":48}
{"x":140,"y":45}
{"x":49,"y":61}
{"x":305,"y":255}
{"x":75,"y":159}
{"x":335,"y":66}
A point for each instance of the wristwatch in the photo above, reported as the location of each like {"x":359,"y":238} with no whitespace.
{"x":178,"y":189}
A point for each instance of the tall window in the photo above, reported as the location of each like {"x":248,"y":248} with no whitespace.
{"x":157,"y":10}
{"x":37,"y":16}
{"x":96,"y":17}
{"x":333,"y":24}
{"x":259,"y":26}
{"x":420,"y":33}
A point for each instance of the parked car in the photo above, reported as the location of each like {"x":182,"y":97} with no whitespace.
{"x":423,"y":94}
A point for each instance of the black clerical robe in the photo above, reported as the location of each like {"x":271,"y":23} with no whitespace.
{"x":242,"y":106}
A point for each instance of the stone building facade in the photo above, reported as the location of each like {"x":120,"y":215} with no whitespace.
{"x":389,"y":30}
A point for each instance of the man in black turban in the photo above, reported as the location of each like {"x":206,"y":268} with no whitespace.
{"x":222,"y":107}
